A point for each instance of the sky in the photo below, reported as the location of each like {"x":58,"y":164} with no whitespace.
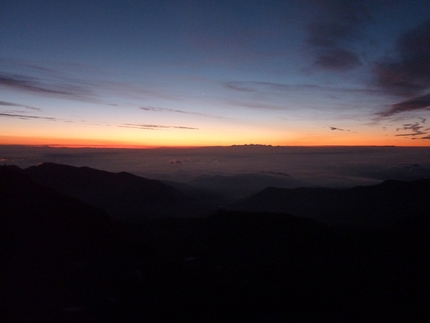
{"x":208,"y":73}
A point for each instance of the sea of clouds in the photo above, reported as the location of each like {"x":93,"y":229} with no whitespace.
{"x":241,"y":170}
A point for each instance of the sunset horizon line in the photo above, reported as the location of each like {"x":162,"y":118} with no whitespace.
{"x":77,"y":146}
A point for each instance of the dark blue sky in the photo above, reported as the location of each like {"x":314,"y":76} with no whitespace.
{"x":215,"y":73}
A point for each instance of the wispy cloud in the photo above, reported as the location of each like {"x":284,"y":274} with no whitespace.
{"x":412,"y":134}
{"x":154,"y":126}
{"x":338,"y":129}
{"x":39,"y":86}
{"x":158,"y":109}
{"x":11,"y":104}
{"x":29,"y":77}
{"x":416,"y":128}
{"x":416,"y":103}
{"x":257,"y":86}
{"x":26,"y":117}
{"x":124,"y":125}
{"x":238,"y":86}
{"x":255,"y":105}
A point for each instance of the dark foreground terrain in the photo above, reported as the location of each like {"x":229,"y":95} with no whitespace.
{"x":63,"y":260}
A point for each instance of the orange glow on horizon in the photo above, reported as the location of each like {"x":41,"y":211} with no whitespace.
{"x":304,"y":141}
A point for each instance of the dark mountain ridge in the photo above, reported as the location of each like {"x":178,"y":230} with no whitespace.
{"x":374,"y":205}
{"x":66,"y":261}
{"x":245,"y":184}
{"x":122,"y":195}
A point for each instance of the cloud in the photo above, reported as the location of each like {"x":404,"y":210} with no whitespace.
{"x":338,"y":129}
{"x":154,"y":126}
{"x":186,"y":128}
{"x":152,"y":109}
{"x":11,"y":104}
{"x":253,"y":105}
{"x":60,"y":82}
{"x":125,"y":125}
{"x":408,"y":72}
{"x":25,"y":117}
{"x":413,"y":134}
{"x":238,"y":86}
{"x":331,"y":38}
{"x":414,"y":127}
{"x":259,"y":95}
{"x":158,"y":109}
{"x":36,"y":85}
{"x":257,"y":86}
{"x":416,"y":103}
{"x":27,"y":65}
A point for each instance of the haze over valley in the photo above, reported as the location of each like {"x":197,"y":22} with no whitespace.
{"x":241,"y":170}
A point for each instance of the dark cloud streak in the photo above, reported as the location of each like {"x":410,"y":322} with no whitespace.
{"x":35,"y":85}
{"x":338,"y":129}
{"x":417,"y":103}
{"x":416,"y":128}
{"x":26,"y":117}
{"x":11,"y":104}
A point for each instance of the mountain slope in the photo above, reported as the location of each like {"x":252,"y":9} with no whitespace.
{"x":65,"y":261}
{"x":58,"y":254}
{"x":122,"y":195}
{"x":376,"y":205}
{"x":244,"y":184}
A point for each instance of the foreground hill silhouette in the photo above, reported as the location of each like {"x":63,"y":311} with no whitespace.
{"x":66,"y":261}
{"x":57,"y":252}
{"x":371,"y":205}
{"x":121,"y":195}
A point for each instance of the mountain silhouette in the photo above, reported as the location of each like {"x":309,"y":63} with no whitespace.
{"x":58,"y":254}
{"x":374,"y":205}
{"x":67,"y":261}
{"x":122,"y":195}
{"x":240,"y":185}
